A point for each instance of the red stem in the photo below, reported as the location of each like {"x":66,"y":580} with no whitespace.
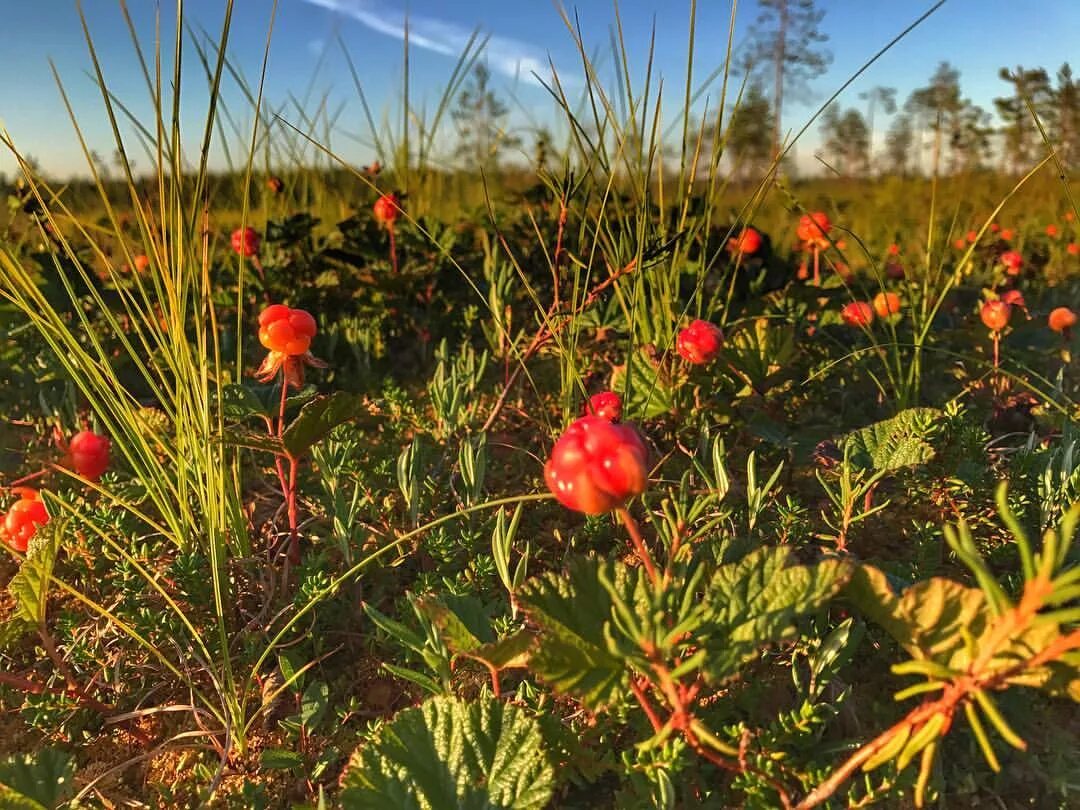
{"x":34,"y":688}
{"x":817,"y":268}
{"x":288,"y":487}
{"x":643,"y":701}
{"x":638,"y":542}
{"x":25,"y":478}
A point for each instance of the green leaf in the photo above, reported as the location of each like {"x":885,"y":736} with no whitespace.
{"x":761,"y":351}
{"x":13,"y":630}
{"x":926,"y":619}
{"x":573,"y":653}
{"x":929,"y":620}
{"x":30,"y":586}
{"x":251,"y":440}
{"x":755,"y":601}
{"x":280,"y":759}
{"x":239,"y":402}
{"x":902,"y":441}
{"x":646,"y":390}
{"x":462,"y":621}
{"x":313,"y":703}
{"x":512,"y":651}
{"x":395,"y":629}
{"x":41,"y":780}
{"x":451,"y":754}
{"x":319,"y":417}
{"x":420,"y":679}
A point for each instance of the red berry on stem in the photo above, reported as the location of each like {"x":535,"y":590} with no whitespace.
{"x":1062,"y":319}
{"x":386,"y":209}
{"x":88,"y":454}
{"x":607,"y":405}
{"x":858,"y":313}
{"x":700,"y":342}
{"x":23,"y":519}
{"x":245,"y":241}
{"x":814,"y":228}
{"x":1013,"y":261}
{"x":995,"y":315}
{"x":747,"y":242}
{"x":286,"y":331}
{"x":597,"y":465}
{"x":886,"y":304}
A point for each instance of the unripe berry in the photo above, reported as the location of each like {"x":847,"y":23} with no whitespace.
{"x":607,"y":405}
{"x":88,"y":454}
{"x":23,"y":519}
{"x":857,"y":313}
{"x":386,"y":209}
{"x":245,"y":241}
{"x":699,"y":343}
{"x":596,"y":465}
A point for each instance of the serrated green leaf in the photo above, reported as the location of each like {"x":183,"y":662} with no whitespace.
{"x":13,"y":630}
{"x":319,"y":417}
{"x":30,"y":586}
{"x":902,"y":441}
{"x":43,"y":779}
{"x":462,"y":621}
{"x":251,"y":440}
{"x":646,"y":390}
{"x":755,"y":601}
{"x":484,"y":755}
{"x":929,"y":619}
{"x":507,"y":653}
{"x":572,"y":652}
{"x":239,"y":402}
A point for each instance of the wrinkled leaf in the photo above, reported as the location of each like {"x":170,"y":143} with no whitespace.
{"x":319,"y":417}
{"x":463,"y":621}
{"x":755,"y":601}
{"x":448,"y":754}
{"x":902,"y":441}
{"x":927,"y":620}
{"x":30,"y":586}
{"x":646,"y":390}
{"x":573,"y":653}
{"x":239,"y":402}
{"x":251,"y":440}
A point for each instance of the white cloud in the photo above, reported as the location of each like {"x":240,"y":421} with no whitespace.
{"x":508,"y":56}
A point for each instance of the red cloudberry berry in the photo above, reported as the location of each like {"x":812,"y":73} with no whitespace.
{"x":596,"y":465}
{"x":88,"y":454}
{"x":699,"y":342}
{"x":607,"y":405}
{"x":23,"y":519}
{"x":245,"y":241}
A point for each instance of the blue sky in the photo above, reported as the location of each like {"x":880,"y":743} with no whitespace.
{"x":978,"y":36}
